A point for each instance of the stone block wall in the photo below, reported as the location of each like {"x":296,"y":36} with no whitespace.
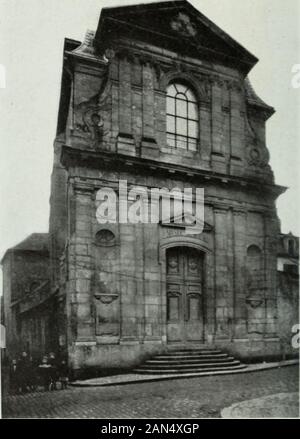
{"x":114,"y":276}
{"x":120,"y":106}
{"x":116,"y":286}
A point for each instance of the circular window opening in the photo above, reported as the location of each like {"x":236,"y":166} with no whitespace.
{"x":105,"y":237}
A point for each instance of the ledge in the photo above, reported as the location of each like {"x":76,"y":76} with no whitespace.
{"x":98,"y":159}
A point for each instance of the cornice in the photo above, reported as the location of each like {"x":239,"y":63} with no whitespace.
{"x":71,"y":157}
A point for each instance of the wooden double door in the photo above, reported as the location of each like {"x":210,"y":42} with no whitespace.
{"x":185,"y":320}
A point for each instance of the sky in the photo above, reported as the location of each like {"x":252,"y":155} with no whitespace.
{"x":32,"y":34}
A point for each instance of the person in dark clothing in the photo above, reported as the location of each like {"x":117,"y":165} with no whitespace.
{"x":63,"y":374}
{"x":44,"y":371}
{"x":24,"y":371}
{"x":32,"y":379}
{"x":14,"y":377}
{"x":53,"y":371}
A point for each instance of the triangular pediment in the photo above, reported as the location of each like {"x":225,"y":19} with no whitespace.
{"x":174,"y":25}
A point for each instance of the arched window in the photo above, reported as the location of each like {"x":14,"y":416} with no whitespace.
{"x":182,"y":117}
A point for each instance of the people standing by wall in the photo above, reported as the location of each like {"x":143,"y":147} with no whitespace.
{"x":26,"y":375}
{"x":24,"y":371}
{"x":53,"y":371}
{"x":14,"y":377}
{"x":44,"y":371}
{"x":63,"y":374}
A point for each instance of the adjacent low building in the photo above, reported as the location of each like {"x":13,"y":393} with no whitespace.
{"x":28,"y":303}
{"x":287,"y":289}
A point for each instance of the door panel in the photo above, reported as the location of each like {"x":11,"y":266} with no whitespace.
{"x":174,"y":263}
{"x":184,"y":295}
{"x":174,"y":307}
{"x":194,"y":321}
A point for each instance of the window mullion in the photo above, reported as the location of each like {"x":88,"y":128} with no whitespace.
{"x":175,"y":122}
{"x":187,"y":124}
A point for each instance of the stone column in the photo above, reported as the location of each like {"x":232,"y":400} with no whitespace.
{"x":218,"y":159}
{"x":231,"y":272}
{"x":81,"y":265}
{"x":209,"y":298}
{"x":126,"y":143}
{"x":205,"y":132}
{"x":149,"y":146}
{"x":115,"y":110}
{"x":160,"y":119}
{"x":137,"y":111}
{"x":138,"y":267}
{"x":240,"y":244}
{"x":148,"y":102}
{"x":271,"y":235}
{"x":128,"y":284}
{"x":237,"y":128}
{"x":125,"y":96}
{"x":221,"y":273}
{"x":153,"y":299}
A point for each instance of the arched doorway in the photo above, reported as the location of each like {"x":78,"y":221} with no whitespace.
{"x":184,"y":289}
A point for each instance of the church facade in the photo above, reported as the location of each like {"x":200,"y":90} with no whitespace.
{"x":159,"y":97}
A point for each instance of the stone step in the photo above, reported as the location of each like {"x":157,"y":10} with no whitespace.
{"x":189,"y":371}
{"x":189,"y":366}
{"x":193,"y":351}
{"x":189,"y":361}
{"x":191,"y":357}
{"x":176,"y":353}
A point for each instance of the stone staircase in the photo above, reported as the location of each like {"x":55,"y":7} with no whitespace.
{"x":189,"y":361}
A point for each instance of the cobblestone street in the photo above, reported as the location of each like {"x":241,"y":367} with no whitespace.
{"x":187,"y":398}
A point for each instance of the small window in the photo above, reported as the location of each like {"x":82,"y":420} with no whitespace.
{"x":291,"y":247}
{"x":182,"y":117}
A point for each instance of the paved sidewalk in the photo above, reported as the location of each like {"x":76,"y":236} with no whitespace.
{"x":141,"y":378}
{"x":200,"y":397}
{"x":280,"y":405}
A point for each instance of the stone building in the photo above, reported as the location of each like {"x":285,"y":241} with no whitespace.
{"x":287,"y":289}
{"x":28,"y":305}
{"x":159,"y":97}
{"x":288,"y":254}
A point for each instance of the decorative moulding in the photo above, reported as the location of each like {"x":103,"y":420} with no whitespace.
{"x":126,"y":144}
{"x":254,"y":302}
{"x":106,"y":299}
{"x":149,"y":147}
{"x":183,"y":25}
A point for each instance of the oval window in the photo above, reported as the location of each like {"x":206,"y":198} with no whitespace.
{"x":105,"y":237}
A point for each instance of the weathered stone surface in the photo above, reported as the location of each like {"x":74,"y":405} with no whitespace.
{"x":28,"y":304}
{"x":120,"y":294}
